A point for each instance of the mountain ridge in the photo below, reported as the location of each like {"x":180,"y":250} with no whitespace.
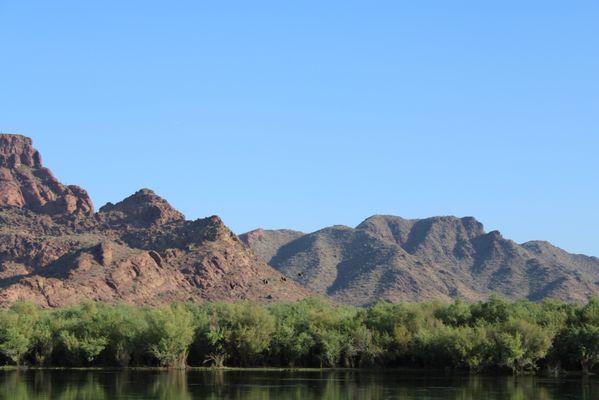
{"x":55,"y":250}
{"x":442,"y":257}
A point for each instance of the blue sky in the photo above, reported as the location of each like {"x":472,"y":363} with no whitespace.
{"x":312,"y":113}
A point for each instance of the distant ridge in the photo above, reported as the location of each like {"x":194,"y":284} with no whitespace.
{"x":392,"y":258}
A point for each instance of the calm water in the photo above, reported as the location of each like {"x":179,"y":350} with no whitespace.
{"x":258,"y":385}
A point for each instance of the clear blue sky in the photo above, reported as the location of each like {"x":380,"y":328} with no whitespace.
{"x":304,"y":114}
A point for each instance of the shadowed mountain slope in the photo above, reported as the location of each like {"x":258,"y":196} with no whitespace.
{"x":266,"y":243}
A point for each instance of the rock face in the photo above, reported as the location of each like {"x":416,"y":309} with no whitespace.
{"x":55,"y":251}
{"x":388,"y":257}
{"x":143,"y":209}
{"x":25,"y":183}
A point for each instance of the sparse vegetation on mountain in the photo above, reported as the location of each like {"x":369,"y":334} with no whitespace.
{"x":55,"y":251}
{"x":391,"y":258}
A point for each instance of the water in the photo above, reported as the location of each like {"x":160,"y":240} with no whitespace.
{"x":282,"y":385}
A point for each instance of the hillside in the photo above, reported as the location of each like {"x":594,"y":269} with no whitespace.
{"x":55,"y":250}
{"x":388,"y":257}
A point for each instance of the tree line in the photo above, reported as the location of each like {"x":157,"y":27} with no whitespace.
{"x":493,"y":335}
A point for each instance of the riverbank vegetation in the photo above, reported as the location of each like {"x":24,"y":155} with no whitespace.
{"x":494,"y":335}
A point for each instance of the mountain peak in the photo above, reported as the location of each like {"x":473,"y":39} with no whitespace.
{"x":25,"y":183}
{"x":17,"y":150}
{"x":495,"y":235}
{"x":144,"y":208}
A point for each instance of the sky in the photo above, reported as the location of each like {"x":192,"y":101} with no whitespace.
{"x":305,"y":114}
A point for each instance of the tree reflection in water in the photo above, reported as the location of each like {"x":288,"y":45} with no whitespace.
{"x":285,"y":385}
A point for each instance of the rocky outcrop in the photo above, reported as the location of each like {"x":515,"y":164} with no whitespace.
{"x":55,"y":251}
{"x":17,"y":151}
{"x":388,"y":257}
{"x":142,"y":209}
{"x":25,"y":183}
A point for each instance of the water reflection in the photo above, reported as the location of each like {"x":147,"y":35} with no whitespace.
{"x":279,"y":385}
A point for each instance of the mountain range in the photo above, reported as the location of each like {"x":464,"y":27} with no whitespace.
{"x":57,"y":250}
{"x":392,"y":258}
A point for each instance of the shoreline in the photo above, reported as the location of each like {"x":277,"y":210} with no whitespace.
{"x":382,"y":371}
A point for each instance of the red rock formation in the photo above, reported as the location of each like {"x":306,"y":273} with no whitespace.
{"x":17,"y":150}
{"x":139,"y":251}
{"x":25,"y":183}
{"x":142,"y":209}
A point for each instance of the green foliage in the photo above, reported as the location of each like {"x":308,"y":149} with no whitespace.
{"x":170,"y":332}
{"x":493,"y":311}
{"x":579,"y":345}
{"x":527,"y":343}
{"x":292,"y":340}
{"x":492,"y":335}
{"x":239,"y":331}
{"x":16,"y":335}
{"x":82,"y":333}
{"x":456,"y":314}
{"x":589,"y":314}
{"x":126,"y":329}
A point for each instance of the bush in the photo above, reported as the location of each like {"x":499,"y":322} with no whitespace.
{"x":170,"y":333}
{"x":492,"y":335}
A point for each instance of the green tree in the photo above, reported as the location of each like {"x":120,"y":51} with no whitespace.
{"x":83,"y":334}
{"x":16,"y":333}
{"x":579,"y":344}
{"x":589,"y":314}
{"x":292,"y":341}
{"x":494,"y":310}
{"x":520,"y":344}
{"x":330,"y":328}
{"x":242,"y":330}
{"x":126,"y":328}
{"x":170,"y":334}
{"x":45,"y":337}
{"x":456,"y":314}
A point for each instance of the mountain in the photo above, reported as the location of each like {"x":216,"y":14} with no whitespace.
{"x":388,"y":257}
{"x":25,"y":183}
{"x":55,"y":250}
{"x":266,"y":243}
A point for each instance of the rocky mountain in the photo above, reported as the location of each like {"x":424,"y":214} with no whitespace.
{"x":55,"y":251}
{"x":25,"y":183}
{"x":388,"y":257}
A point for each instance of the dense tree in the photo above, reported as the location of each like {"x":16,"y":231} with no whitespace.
{"x":292,"y":341}
{"x":490,"y":335}
{"x":240,"y":332}
{"x":82,"y":333}
{"x":169,"y":335}
{"x":523,"y":344}
{"x":126,"y":330}
{"x":16,"y":334}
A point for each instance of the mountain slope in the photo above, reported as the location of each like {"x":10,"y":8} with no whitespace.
{"x":265,"y":243}
{"x":54,"y":250}
{"x":393,"y":258}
